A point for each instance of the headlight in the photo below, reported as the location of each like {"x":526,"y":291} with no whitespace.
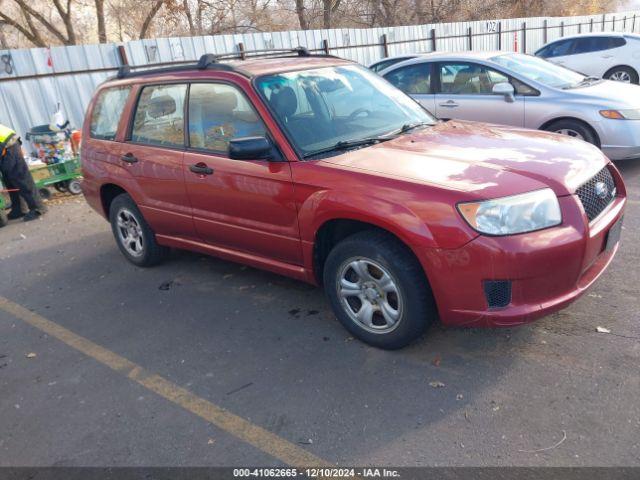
{"x":516,"y":214}
{"x":632,"y":114}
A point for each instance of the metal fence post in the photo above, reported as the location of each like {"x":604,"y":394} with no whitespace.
{"x":613,"y":24}
{"x":385,"y":46}
{"x":544,"y":33}
{"x":433,"y":40}
{"x":499,"y":35}
{"x":122,"y":53}
{"x":562,"y":29}
{"x":470,"y":38}
{"x":633,"y":25}
{"x":604,"y":19}
{"x":243,"y":54}
{"x":591,"y":25}
{"x":624,"y":24}
{"x":325,"y":46}
{"x":524,"y":37}
{"x":580,"y":27}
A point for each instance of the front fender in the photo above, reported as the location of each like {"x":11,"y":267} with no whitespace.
{"x":325,"y":205}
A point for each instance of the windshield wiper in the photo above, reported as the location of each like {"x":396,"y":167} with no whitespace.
{"x":346,"y":145}
{"x":585,"y":81}
{"x":407,"y":127}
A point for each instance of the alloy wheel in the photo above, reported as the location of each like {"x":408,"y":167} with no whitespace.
{"x":370,"y":295}
{"x":130,"y":233}
{"x":570,"y":132}
{"x":620,"y":76}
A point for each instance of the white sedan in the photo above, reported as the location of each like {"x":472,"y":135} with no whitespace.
{"x":614,"y":56}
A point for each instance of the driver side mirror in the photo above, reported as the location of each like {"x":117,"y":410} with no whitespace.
{"x":250,"y":148}
{"x":505,"y":89}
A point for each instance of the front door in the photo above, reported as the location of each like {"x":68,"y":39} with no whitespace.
{"x":466,"y":93}
{"x":243,"y":205}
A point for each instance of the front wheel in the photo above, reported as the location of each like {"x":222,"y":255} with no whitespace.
{"x":575,"y":129}
{"x":378,"y":290}
{"x":134,"y":236}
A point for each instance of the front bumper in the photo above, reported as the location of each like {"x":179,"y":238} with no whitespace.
{"x":619,"y":139}
{"x":548,"y":269}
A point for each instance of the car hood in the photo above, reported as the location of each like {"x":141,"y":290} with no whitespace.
{"x":487,"y":161}
{"x":609,"y":94}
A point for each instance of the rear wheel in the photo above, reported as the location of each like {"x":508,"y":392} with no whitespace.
{"x":134,"y":237}
{"x":573,"y":128}
{"x":622,"y":74}
{"x":378,"y":290}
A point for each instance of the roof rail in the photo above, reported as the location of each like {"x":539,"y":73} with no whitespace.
{"x":211,"y":61}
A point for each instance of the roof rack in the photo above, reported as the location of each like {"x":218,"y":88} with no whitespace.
{"x":211,"y":61}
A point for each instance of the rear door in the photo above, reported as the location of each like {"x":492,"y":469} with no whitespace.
{"x":595,"y":55}
{"x":243,"y":205}
{"x":465,"y":92}
{"x":153,"y":154}
{"x":415,"y":80}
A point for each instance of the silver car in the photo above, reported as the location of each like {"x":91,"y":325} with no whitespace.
{"x":524,"y":91}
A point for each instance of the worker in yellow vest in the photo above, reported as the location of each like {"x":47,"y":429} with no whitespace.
{"x":17,"y":178}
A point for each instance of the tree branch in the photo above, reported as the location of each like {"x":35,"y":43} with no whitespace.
{"x":149,"y":18}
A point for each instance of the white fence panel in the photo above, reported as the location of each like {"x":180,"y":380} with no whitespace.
{"x":33,"y":81}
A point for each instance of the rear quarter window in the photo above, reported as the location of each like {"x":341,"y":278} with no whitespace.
{"x":107,"y":111}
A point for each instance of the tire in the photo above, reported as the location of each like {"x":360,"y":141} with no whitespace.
{"x":573,"y":128}
{"x":380,"y":258}
{"x":74,"y":187}
{"x":622,"y":74}
{"x":45,"y":193}
{"x":60,"y":186}
{"x":134,"y":237}
{"x":4,"y":217}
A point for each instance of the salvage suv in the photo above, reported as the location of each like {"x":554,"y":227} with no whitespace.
{"x":313,"y":167}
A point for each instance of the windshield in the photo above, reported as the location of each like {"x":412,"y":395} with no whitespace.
{"x":539,"y":70}
{"x":322,"y":108}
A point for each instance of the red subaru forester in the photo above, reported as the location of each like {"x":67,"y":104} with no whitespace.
{"x":313,"y":167}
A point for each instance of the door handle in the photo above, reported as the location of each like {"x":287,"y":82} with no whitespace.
{"x":449,"y":104}
{"x":607,"y":56}
{"x":201,"y":169}
{"x":129,"y":158}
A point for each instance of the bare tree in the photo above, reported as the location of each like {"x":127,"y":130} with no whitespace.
{"x":102,"y":28}
{"x":149,"y":18}
{"x":33,"y":20}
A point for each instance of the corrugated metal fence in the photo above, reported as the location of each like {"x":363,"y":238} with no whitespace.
{"x":33,"y":81}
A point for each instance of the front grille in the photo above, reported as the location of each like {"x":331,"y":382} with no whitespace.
{"x":497,"y":293}
{"x":597,"y":193}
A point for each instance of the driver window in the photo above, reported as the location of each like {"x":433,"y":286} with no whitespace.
{"x":469,"y":79}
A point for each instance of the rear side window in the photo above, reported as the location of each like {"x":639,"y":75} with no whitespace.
{"x":107,"y":112}
{"x":413,"y":79}
{"x":219,"y":113}
{"x":159,"y":117}
{"x":596,"y":44}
